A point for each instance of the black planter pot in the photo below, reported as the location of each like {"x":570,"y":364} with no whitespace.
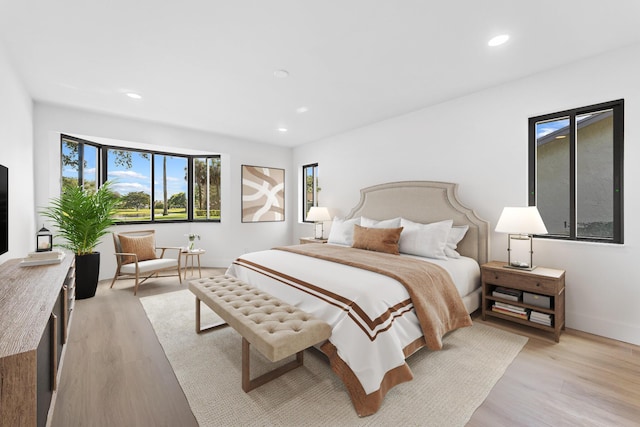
{"x":87,"y":271}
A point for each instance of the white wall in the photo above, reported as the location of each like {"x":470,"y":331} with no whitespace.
{"x":16,"y":152}
{"x":480,"y":142}
{"x":223,"y":241}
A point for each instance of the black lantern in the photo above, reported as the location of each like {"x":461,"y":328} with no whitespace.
{"x":44,"y":240}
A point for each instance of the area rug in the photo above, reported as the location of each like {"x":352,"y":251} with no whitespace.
{"x":447,"y":388}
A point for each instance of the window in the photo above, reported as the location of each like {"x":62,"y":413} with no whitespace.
{"x":575,"y":172}
{"x":79,"y":163}
{"x":131,"y":172}
{"x":206,"y":188}
{"x":170,"y":187}
{"x":310,"y":188}
{"x":152,"y":186}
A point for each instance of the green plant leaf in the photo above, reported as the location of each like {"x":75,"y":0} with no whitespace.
{"x":82,"y":218}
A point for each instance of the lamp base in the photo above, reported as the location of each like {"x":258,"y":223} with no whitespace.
{"x":520,"y":267}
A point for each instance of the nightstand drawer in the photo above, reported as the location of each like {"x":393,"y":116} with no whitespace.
{"x":529,"y":283}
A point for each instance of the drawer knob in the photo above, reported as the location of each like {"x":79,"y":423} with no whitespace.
{"x":538,"y":284}
{"x":496,"y":277}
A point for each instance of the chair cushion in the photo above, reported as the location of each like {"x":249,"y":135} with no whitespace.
{"x":150,"y":265}
{"x":143,"y":246}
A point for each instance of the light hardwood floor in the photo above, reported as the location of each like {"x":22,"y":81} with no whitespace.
{"x":116,"y":374}
{"x":584,"y":380}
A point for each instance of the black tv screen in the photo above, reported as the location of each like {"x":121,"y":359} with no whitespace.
{"x":4,"y":209}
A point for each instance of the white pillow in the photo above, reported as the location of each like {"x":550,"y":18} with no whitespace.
{"x":386,"y":223}
{"x":427,"y":240}
{"x":342,"y":231}
{"x":455,"y":235}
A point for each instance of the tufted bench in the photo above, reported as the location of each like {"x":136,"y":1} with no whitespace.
{"x":275,"y":328}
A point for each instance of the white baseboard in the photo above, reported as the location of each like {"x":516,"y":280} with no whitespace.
{"x":604,"y":327}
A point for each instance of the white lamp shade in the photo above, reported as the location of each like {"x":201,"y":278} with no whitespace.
{"x":317,"y":213}
{"x":521,"y":220}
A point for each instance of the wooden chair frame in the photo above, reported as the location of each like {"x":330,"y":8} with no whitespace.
{"x":137,"y":274}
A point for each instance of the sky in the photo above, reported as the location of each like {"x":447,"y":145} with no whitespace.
{"x":545,"y":128}
{"x":138,"y":178}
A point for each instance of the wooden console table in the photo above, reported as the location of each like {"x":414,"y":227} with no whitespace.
{"x":35,"y":310}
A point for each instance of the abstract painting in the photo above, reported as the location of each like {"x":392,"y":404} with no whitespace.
{"x":262,"y":194}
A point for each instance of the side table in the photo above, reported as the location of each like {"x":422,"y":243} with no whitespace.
{"x":192,"y":254}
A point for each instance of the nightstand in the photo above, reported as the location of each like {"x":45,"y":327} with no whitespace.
{"x":533,"y":298}
{"x":304,"y":240}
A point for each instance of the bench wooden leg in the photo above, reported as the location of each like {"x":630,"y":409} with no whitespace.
{"x":248,"y":384}
{"x":199,"y":328}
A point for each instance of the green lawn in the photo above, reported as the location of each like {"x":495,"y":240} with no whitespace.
{"x":125,"y":215}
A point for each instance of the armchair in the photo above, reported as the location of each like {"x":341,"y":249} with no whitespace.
{"x":136,"y":254}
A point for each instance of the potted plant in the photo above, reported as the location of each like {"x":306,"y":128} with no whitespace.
{"x":192,"y":241}
{"x":82,"y":219}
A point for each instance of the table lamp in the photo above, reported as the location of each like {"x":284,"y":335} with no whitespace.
{"x":318,"y":214}
{"x":520,"y":223}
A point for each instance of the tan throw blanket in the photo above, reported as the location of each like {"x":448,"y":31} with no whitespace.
{"x":435,"y":298}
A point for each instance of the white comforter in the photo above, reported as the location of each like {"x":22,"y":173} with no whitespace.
{"x":371,"y":315}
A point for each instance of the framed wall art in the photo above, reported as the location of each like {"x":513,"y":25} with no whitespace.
{"x":262,"y":194}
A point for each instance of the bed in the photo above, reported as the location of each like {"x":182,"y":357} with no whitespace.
{"x":377,"y":323}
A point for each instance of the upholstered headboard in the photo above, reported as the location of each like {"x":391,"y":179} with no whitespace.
{"x":426,"y":202}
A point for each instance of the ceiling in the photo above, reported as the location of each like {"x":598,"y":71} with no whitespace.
{"x":209,"y":64}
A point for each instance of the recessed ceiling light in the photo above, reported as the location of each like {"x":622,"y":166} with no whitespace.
{"x":283,"y":130}
{"x":281,"y":74}
{"x":301,"y":110}
{"x":133,"y":95}
{"x":498,"y":40}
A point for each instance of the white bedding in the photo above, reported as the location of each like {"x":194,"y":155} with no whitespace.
{"x":464,"y":271}
{"x":371,"y":316}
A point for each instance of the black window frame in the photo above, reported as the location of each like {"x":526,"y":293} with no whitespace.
{"x":153,"y":155}
{"x":313,"y":166}
{"x":102,"y":176}
{"x":191,"y":187}
{"x":617,"y":107}
{"x":81,"y":144}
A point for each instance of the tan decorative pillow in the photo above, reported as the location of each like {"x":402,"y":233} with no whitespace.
{"x":143,"y":246}
{"x":377,"y":239}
